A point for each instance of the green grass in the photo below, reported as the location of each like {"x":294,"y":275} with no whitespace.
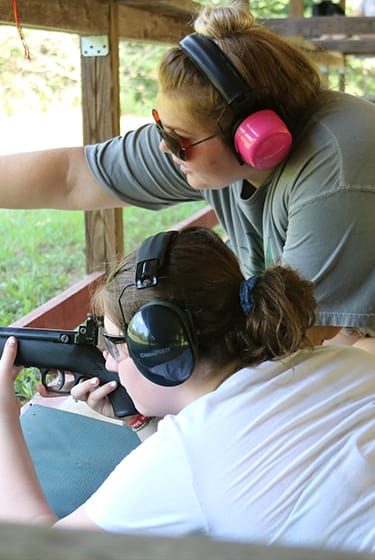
{"x":41,"y":254}
{"x":43,"y":251}
{"x":139,"y":223}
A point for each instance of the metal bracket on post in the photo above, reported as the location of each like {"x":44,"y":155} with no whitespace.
{"x":95,"y":45}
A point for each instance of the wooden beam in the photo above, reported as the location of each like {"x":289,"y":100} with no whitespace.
{"x":72,"y":16}
{"x":66,"y":310}
{"x":101,"y":120}
{"x":169,"y":8}
{"x":33,"y":542}
{"x":140,"y":25}
{"x":89,"y":17}
{"x":314,"y":27}
{"x":169,"y":20}
{"x":352,"y":33}
{"x":347,"y":46}
{"x":205,"y":217}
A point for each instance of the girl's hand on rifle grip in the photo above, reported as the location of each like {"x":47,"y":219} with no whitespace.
{"x":95,"y":395}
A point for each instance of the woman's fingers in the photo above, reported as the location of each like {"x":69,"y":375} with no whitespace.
{"x":82,"y":390}
{"x":8,"y":372}
{"x":95,"y":395}
{"x":9,"y":354}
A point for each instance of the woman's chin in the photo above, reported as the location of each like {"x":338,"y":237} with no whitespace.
{"x":196,"y":183}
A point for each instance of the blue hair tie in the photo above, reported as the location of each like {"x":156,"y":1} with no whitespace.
{"x":246,"y":295}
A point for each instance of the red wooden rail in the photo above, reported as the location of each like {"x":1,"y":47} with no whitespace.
{"x":69,"y":309}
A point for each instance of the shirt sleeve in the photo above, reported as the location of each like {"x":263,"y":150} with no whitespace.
{"x":151,"y":492}
{"x":133,"y":168}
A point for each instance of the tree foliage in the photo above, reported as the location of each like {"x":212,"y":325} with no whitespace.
{"x":52,"y":75}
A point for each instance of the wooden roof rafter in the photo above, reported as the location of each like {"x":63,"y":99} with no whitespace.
{"x":167,"y":21}
{"x":89,"y":17}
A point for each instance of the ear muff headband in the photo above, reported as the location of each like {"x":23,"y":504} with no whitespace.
{"x":215,"y":64}
{"x":151,"y":257}
{"x":260,"y":139}
{"x":160,"y":337}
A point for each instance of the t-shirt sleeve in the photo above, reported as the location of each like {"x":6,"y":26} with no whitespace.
{"x":133,"y":168}
{"x":151,"y":492}
{"x":335,"y":249}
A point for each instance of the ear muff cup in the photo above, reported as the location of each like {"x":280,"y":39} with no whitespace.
{"x":262,"y":139}
{"x":162,"y":343}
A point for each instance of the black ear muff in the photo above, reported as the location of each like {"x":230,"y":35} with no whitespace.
{"x":258,"y":137}
{"x":160,"y":336}
{"x":162,"y":343}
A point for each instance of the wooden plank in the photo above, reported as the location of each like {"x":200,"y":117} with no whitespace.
{"x":347,"y":46}
{"x":89,"y":17}
{"x":169,"y":8}
{"x":314,"y":27}
{"x":67,"y":310}
{"x":205,"y":217}
{"x":352,"y":34}
{"x":169,"y":20}
{"x":83,"y":16}
{"x":101,"y":120}
{"x":20,"y":542}
{"x":136,"y":24}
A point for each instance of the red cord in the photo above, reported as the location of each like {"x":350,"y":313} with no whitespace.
{"x":20,"y":31}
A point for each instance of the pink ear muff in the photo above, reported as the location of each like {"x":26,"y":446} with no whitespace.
{"x":262,"y":140}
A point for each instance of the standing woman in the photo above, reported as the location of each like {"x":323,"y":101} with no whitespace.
{"x":263,"y":438}
{"x":242,"y":122}
{"x":287,"y":166}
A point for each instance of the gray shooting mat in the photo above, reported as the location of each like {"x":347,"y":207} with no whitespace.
{"x":72,"y":453}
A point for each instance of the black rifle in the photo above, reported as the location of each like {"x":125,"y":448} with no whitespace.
{"x":64,"y":358}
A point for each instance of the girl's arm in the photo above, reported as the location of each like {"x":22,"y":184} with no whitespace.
{"x":22,"y":499}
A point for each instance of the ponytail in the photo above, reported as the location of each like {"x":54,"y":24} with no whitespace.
{"x":282,"y":310}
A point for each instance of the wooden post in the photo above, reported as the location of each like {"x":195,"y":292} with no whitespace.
{"x":296,"y":8}
{"x":101,"y":120}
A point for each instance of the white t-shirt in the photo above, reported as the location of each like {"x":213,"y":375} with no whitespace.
{"x":283,"y":453}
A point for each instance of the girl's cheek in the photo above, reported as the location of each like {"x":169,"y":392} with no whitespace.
{"x":127,"y":371}
{"x":110,"y":363}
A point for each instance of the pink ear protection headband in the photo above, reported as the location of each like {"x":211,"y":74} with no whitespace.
{"x":260,"y":139}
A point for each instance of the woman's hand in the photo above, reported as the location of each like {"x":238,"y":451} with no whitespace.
{"x":95,"y":395}
{"x":9,"y":404}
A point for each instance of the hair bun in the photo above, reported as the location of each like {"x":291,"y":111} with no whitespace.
{"x":220,"y":22}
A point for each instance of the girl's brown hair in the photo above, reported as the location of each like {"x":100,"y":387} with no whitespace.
{"x":202,"y":275}
{"x":280,"y":75}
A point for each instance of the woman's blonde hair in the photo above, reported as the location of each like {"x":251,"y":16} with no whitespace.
{"x":280,"y":75}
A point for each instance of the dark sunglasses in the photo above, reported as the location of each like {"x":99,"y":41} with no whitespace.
{"x":110,"y":344}
{"x":172,"y":142}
